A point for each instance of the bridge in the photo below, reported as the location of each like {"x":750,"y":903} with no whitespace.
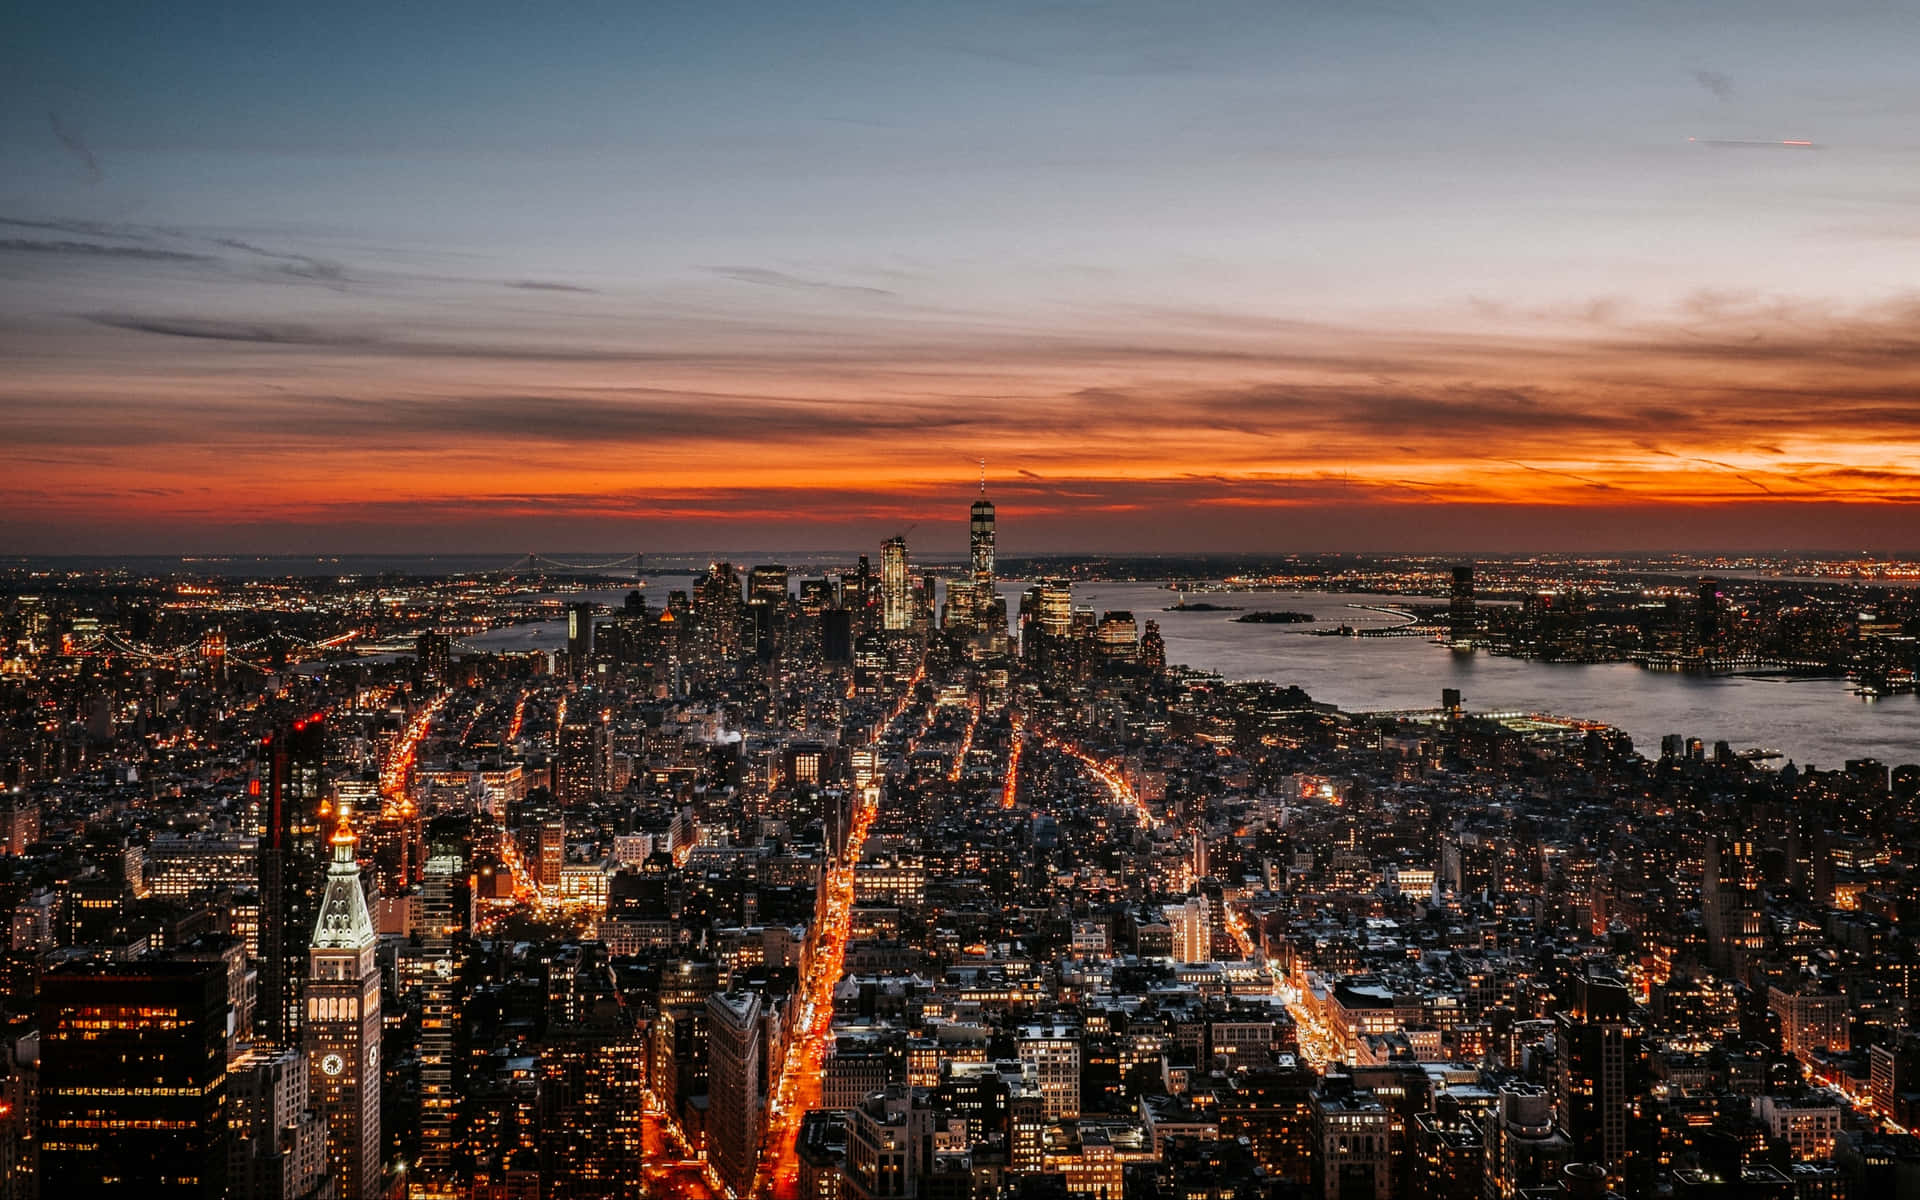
{"x":624,"y":566}
{"x":285,"y":647}
{"x":261,"y":653}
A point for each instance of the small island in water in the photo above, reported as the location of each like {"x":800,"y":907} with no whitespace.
{"x":1282,"y":617}
{"x":1200,"y":606}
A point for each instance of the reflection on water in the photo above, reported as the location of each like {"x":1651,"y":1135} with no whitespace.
{"x":1817,"y":720}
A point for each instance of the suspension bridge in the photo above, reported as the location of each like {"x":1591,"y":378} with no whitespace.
{"x":266,"y":653}
{"x":624,"y":566}
{"x":272,"y":647}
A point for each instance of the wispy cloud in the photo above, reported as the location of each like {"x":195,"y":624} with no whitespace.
{"x":272,"y":333}
{"x":104,"y":229}
{"x":767,"y":277}
{"x":542,"y":285}
{"x":95,"y":251}
{"x":76,"y":145}
{"x":1596,"y":484}
{"x":300,"y":266}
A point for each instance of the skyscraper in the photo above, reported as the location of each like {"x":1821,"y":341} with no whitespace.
{"x":213,"y":656}
{"x":1053,"y":1051}
{"x":1448,"y":1156}
{"x":433,"y":652}
{"x":1601,"y":1073}
{"x":1462,"y":616}
{"x":293,"y":780}
{"x":581,"y":767}
{"x":1272,"y":1107}
{"x":553,"y":855}
{"x":19,"y":820}
{"x":1153,"y":648}
{"x":1056,"y":608}
{"x":957,"y":615}
{"x":717,"y":611}
{"x":883,"y":1156}
{"x":765,"y":618}
{"x":1192,"y":929}
{"x":279,"y":1144}
{"x":733,"y":1086}
{"x":342,"y":1030}
{"x":1810,"y":1021}
{"x":1707,"y":617}
{"x":860,"y":595}
{"x":1524,"y":1148}
{"x":1733,"y":904}
{"x":1117,"y":638}
{"x":1355,"y":1140}
{"x":767,"y":585}
{"x":1046,"y":617}
{"x":442,"y":923}
{"x":896,"y":592}
{"x":579,"y":638}
{"x":924,"y":591}
{"x":133,"y":1080}
{"x":980,"y":543}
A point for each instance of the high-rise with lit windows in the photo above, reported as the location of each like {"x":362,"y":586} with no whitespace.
{"x":580,"y":637}
{"x":292,"y":802}
{"x":1601,"y":1074}
{"x":1463,"y":618}
{"x":980,"y":538}
{"x":767,"y":585}
{"x":580,"y":775}
{"x":342,"y":1027}
{"x":896,"y":589}
{"x":133,"y":1098}
{"x":1733,"y":902}
{"x":442,"y":924}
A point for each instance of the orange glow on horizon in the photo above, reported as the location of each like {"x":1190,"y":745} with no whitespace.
{"x":1724,"y":407}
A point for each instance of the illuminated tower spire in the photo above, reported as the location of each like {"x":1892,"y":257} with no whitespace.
{"x":980,"y":540}
{"x":342,"y":1025}
{"x":344,"y":921}
{"x":980,"y":537}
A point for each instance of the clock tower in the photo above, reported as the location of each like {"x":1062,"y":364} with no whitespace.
{"x":342,"y":1024}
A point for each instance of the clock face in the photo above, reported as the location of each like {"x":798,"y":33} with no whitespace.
{"x":444,"y":967}
{"x":333,"y":1064}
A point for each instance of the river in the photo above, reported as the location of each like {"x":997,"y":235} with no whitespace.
{"x":1813,"y":721}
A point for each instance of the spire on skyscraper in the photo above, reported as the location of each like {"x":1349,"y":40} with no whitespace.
{"x":341,"y":1032}
{"x":982,"y":614}
{"x":344,"y":921}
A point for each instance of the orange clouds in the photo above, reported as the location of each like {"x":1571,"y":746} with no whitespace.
{"x":189,"y":429}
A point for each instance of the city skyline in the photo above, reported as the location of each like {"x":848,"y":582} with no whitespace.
{"x":1252,"y":278}
{"x":766,"y":884}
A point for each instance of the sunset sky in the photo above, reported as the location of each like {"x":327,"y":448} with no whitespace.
{"x":661,"y":276}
